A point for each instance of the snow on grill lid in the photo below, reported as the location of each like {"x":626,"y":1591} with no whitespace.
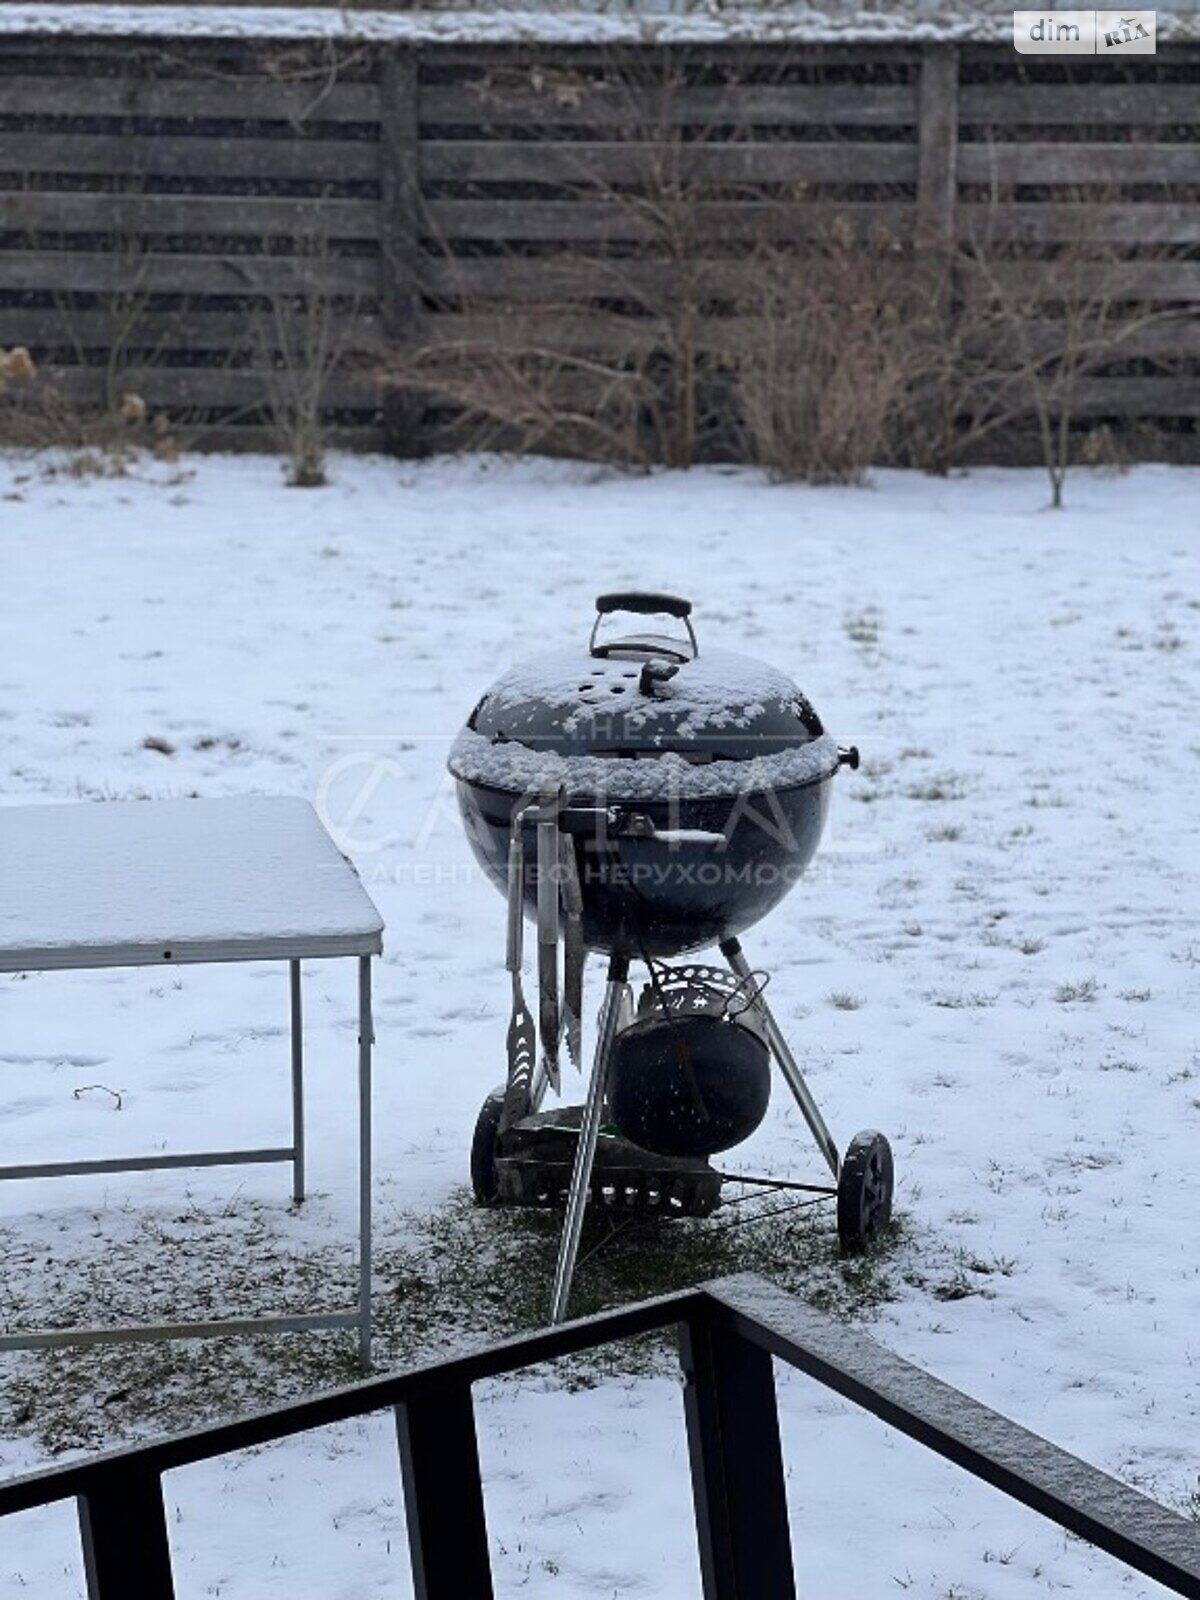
{"x":518,"y":770}
{"x":719,"y":706}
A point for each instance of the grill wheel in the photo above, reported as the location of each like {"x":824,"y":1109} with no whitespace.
{"x":864,"y":1194}
{"x":485,"y":1182}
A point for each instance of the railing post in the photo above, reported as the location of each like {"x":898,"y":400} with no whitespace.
{"x":737,"y":1466}
{"x":123,"y":1526}
{"x":400,"y":229}
{"x":443,"y":1496}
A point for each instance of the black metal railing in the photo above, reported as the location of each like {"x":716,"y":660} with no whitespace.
{"x":729,"y":1332}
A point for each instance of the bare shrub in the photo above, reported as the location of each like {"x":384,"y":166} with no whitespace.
{"x":36,"y":413}
{"x":831,"y":358}
{"x":510,"y":390}
{"x":297,"y":354}
{"x":1043,"y":317}
{"x":1063,"y":323}
{"x":303,"y":341}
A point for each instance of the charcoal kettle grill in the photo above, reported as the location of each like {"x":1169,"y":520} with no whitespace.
{"x":642,"y":800}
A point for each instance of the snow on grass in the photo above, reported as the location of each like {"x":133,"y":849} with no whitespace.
{"x":995,"y":959}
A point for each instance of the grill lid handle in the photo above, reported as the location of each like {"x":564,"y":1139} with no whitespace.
{"x":645,"y":605}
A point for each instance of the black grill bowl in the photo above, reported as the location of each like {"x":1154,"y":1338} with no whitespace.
{"x":650,"y":897}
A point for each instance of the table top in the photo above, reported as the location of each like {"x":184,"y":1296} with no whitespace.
{"x":151,"y":882}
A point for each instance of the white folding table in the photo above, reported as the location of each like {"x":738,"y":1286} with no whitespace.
{"x":162,"y":882}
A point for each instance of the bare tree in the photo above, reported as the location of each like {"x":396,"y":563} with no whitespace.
{"x":1041,"y":319}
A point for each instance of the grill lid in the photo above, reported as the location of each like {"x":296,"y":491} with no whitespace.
{"x":644,"y":695}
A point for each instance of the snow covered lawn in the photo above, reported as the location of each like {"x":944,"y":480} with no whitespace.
{"x":996,"y":959}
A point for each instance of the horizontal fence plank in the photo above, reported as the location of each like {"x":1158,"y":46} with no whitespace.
{"x":212,"y":157}
{"x":1044,"y":163}
{"x":573,"y":278}
{"x":1022,"y":446}
{"x":250,"y":216}
{"x":567,"y":100}
{"x":629,"y":222}
{"x":204,"y":387}
{"x":1150,"y":281}
{"x":1078,"y":104}
{"x":98,"y":272}
{"x":739,"y":161}
{"x":1138,"y":397}
{"x":127,"y":327}
{"x":579,"y":278}
{"x":1145,"y":223}
{"x":254,"y":438}
{"x":507,"y":328}
{"x":244,"y":99}
{"x":1167,"y":340}
{"x":554,"y":329}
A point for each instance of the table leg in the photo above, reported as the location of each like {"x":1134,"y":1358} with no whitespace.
{"x":365,"y":1040}
{"x":297,"y":1085}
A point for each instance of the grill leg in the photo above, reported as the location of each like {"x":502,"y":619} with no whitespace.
{"x":781,"y":1050}
{"x":589,"y":1132}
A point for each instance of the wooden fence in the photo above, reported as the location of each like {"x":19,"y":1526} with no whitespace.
{"x":177,"y":217}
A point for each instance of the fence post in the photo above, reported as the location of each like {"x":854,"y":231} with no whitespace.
{"x":937,"y":148}
{"x":936,"y":235}
{"x":443,"y":1496}
{"x":400,"y":228}
{"x":123,"y":1526}
{"x":737,"y":1466}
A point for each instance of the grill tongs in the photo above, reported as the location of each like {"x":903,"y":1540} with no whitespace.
{"x":559,"y":918}
{"x":559,"y":915}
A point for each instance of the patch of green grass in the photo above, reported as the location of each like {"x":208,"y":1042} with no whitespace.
{"x":490,"y":1271}
{"x":444,"y":1280}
